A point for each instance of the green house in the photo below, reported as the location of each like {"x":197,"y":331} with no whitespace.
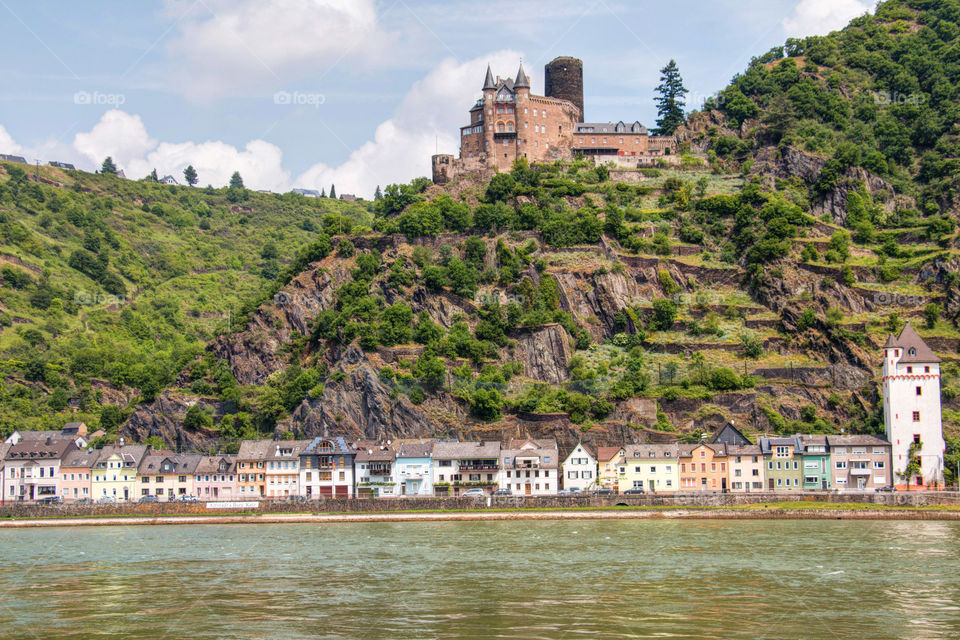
{"x":816,"y":463}
{"x":783,"y":458}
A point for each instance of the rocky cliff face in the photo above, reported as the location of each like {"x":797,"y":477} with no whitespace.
{"x":544,"y":353}
{"x":163,"y":418}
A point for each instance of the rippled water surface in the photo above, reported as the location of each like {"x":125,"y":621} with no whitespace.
{"x":555,"y":579}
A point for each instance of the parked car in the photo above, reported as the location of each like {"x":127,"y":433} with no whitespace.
{"x":473,"y":493}
{"x":603,"y":492}
{"x":189,"y":498}
{"x":83,"y":501}
{"x":633,"y":492}
{"x":106,"y":500}
{"x":50,"y":500}
{"x":503,"y":492}
{"x":149,"y":499}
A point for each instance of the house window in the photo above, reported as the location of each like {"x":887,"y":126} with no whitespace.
{"x":909,"y":369}
{"x":916,"y":416}
{"x":926,"y":369}
{"x":919,"y":391}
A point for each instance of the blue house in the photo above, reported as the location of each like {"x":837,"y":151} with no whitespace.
{"x":414,"y":469}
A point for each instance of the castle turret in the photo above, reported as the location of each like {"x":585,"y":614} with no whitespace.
{"x":911,"y":411}
{"x":522,"y":81}
{"x":563,"y":78}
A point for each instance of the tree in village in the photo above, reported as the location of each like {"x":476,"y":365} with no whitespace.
{"x":190,"y":175}
{"x":670,"y":100}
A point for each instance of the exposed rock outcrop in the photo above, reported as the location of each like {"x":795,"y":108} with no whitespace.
{"x":163,"y":418}
{"x":545,"y":354}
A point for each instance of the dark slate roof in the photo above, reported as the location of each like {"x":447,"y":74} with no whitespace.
{"x":729,"y":435}
{"x":211,"y":464}
{"x":46,"y":449}
{"x":183,"y":464}
{"x":522,"y":81}
{"x":131,"y":454}
{"x":488,"y":82}
{"x":81,"y":458}
{"x":891,"y":342}
{"x":766,"y":444}
{"x":340,"y":447}
{"x":914,"y":348}
{"x":11,"y":158}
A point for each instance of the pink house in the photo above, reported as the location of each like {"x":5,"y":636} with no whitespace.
{"x":75,"y":474}
{"x":216,"y":478}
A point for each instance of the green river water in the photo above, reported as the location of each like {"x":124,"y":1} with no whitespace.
{"x":521,"y":579}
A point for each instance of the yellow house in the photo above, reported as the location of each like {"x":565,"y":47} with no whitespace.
{"x":608,"y":466}
{"x":114,"y":474}
{"x":652,"y":468}
{"x":167,"y":475}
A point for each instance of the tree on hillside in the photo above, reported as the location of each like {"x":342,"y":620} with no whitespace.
{"x":377,"y":195}
{"x":108,"y":166}
{"x":333,"y":192}
{"x":323,"y":193}
{"x":670,"y":100}
{"x":236,"y":182}
{"x":190,"y":175}
{"x":152,"y":176}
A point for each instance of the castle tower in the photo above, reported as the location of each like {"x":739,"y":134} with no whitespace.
{"x":911,"y":411}
{"x":489,"y":91}
{"x":563,"y":79}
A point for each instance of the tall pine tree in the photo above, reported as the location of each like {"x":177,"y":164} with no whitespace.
{"x":670,"y":100}
{"x":333,"y":192}
{"x":108,"y":167}
{"x":190,"y":175}
{"x":378,"y":195}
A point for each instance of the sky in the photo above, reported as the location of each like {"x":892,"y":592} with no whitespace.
{"x":356,"y":93}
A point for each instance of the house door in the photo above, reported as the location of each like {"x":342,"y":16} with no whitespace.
{"x":723,"y":484}
{"x":216,"y":491}
{"x":703,"y":484}
{"x":861,"y":483}
{"x":650,"y":485}
{"x":126,"y":494}
{"x":823,"y":485}
{"x":526,"y":489}
{"x":770,"y":483}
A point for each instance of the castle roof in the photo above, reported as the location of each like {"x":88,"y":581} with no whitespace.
{"x":914,"y":348}
{"x":488,"y":83}
{"x":522,"y":81}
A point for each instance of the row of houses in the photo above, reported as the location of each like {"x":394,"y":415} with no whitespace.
{"x":731,"y":463}
{"x":58,"y":466}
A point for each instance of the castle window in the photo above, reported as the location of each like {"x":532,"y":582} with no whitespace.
{"x":525,"y":110}
{"x":581,"y":140}
{"x":621,"y":140}
{"x":909,"y":369}
{"x":636,"y":140}
{"x":916,"y":416}
{"x":500,"y":128}
{"x":604,"y":141}
{"x":913,"y":351}
{"x":593,"y":140}
{"x":544,"y":112}
{"x":534,"y":112}
{"x":509,"y":108}
{"x":510,"y":127}
{"x":926,"y":369}
{"x":919,"y":391}
{"x":500,"y":109}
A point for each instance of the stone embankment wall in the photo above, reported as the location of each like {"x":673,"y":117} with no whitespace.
{"x":343,"y":505}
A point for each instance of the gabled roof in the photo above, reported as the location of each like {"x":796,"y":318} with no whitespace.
{"x":586,"y":447}
{"x":183,"y":464}
{"x":211,"y":464}
{"x":415,"y":450}
{"x":766,"y":444}
{"x":81,"y":458}
{"x":729,"y":435}
{"x":914,"y":348}
{"x":743,"y":450}
{"x":131,"y":455}
{"x":339,"y":446}
{"x":637,"y":452}
{"x":607,"y":453}
{"x":687,"y":450}
{"x":522,"y":81}
{"x":267,"y":449}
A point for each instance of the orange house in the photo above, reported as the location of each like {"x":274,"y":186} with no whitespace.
{"x":703,"y":467}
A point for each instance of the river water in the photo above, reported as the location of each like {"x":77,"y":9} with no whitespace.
{"x":521,"y":579}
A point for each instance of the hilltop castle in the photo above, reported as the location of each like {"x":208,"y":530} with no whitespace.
{"x":509,"y":122}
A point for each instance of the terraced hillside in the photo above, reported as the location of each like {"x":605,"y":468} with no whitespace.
{"x":813,"y":212}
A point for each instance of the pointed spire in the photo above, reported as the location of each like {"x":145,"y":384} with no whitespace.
{"x":522,"y":81}
{"x":488,"y":83}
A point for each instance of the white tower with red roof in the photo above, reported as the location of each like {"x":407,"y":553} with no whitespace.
{"x":911,"y":411}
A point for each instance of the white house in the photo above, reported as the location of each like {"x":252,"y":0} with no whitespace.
{"x":32,"y":468}
{"x":530,"y":467}
{"x":911,"y":411}
{"x":460,"y":466}
{"x":326,"y":469}
{"x":580,"y":469}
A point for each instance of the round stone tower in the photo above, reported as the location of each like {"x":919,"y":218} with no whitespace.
{"x":563,"y":78}
{"x":442,"y":168}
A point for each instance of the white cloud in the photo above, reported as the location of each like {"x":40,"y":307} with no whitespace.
{"x":819,"y":17}
{"x":7,"y":145}
{"x":226,"y":46}
{"x":428,"y":118}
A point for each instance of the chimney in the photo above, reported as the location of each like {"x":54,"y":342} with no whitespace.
{"x":49,"y":441}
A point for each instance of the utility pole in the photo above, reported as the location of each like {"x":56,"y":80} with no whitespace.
{"x":36,"y":176}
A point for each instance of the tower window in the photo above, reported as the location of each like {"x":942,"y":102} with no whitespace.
{"x":909,"y":369}
{"x":919,"y":391}
{"x":926,"y":369}
{"x":916,"y":418}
